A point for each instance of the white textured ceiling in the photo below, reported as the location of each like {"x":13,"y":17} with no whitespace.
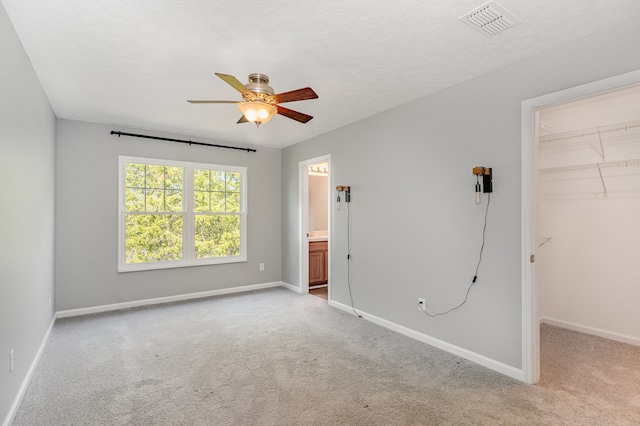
{"x":134,"y":63}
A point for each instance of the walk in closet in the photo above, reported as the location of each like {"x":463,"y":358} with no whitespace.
{"x":589,"y":215}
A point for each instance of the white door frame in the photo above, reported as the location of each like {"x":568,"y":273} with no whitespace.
{"x":303,"y":246}
{"x":530,"y":306}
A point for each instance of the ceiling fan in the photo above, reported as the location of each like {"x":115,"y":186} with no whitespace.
{"x":259,"y":102}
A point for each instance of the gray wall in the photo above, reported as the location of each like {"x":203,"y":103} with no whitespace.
{"x":27,"y":173}
{"x":87,"y":219}
{"x":415,"y":230}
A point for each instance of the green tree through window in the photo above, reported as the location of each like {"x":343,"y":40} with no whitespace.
{"x":217,"y":222}
{"x":153,"y":199}
{"x":180,"y":214}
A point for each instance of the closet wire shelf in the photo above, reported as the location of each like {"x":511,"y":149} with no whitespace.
{"x":591,"y":131}
{"x":613,"y":177}
{"x":620,"y":176}
{"x":619,"y":163}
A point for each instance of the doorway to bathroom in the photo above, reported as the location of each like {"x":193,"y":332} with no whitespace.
{"x":315,"y":226}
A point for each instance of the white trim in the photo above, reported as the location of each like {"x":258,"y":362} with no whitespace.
{"x":291,"y":287}
{"x":530,"y":313}
{"x":530,"y":333}
{"x":27,"y":378}
{"x":492,"y":364}
{"x":618,"y":337}
{"x":303,"y":211}
{"x":303,"y":248}
{"x":167,"y":299}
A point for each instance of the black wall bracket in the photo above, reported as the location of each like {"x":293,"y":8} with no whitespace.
{"x":487,"y":180}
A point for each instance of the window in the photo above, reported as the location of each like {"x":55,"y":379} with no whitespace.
{"x":175,"y":214}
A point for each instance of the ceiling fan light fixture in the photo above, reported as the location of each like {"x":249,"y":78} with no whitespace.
{"x":257,"y":112}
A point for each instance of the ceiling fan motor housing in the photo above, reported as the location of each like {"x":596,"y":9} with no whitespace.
{"x":259,"y":83}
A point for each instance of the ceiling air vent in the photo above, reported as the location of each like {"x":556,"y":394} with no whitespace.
{"x":490,"y":19}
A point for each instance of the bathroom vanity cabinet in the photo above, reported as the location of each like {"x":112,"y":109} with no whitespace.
{"x":318,"y":262}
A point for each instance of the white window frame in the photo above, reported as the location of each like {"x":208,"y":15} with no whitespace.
{"x":188,"y":215}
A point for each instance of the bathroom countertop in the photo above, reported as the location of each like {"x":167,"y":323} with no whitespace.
{"x":318,"y":236}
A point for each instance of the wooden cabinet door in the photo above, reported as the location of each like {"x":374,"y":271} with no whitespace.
{"x":316,"y":268}
{"x":318,"y":254}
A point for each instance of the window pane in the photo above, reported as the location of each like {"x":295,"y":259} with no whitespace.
{"x":173,"y":200}
{"x":153,"y":238}
{"x":216,"y":191}
{"x":134,"y":200}
{"x":217,"y":202}
{"x":201,"y":179}
{"x":233,"y":202}
{"x":201,"y":201}
{"x":217,"y":180}
{"x":173,"y":178}
{"x":155,"y":177}
{"x":135,"y":175}
{"x":153,"y":188}
{"x":233,"y":181}
{"x":154,"y":200}
{"x":217,"y":236}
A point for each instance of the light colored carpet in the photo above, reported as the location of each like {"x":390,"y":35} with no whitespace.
{"x":274,"y":357}
{"x":596,"y":374}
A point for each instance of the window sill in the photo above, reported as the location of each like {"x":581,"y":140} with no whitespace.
{"x":177,"y":264}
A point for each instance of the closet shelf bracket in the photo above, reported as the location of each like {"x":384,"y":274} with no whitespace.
{"x":601,"y":147}
{"x":604,"y":187}
{"x":546,"y":240}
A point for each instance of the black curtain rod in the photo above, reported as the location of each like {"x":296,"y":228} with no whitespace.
{"x":113,"y":132}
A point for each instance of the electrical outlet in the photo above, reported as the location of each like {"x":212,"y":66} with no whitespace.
{"x":422,"y":304}
{"x":49,"y":299}
{"x":11,"y":361}
{"x":262,"y":266}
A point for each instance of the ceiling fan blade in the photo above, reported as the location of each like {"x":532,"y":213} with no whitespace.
{"x":243,"y":119}
{"x":296,"y":95}
{"x":233,"y":82}
{"x":191,"y":101}
{"x":294,"y":115}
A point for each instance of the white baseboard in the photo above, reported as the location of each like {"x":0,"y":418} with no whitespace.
{"x":291,"y":287}
{"x":167,"y":299}
{"x":492,"y":364}
{"x":591,"y":330}
{"x":27,"y":378}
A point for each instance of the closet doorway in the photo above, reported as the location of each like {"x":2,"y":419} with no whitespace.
{"x":581,"y":198}
{"x":588,"y":232}
{"x":588,"y":215}
{"x":315,"y":226}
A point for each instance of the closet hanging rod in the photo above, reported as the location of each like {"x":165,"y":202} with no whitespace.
{"x":113,"y":132}
{"x":591,"y":131}
{"x":620,"y":163}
